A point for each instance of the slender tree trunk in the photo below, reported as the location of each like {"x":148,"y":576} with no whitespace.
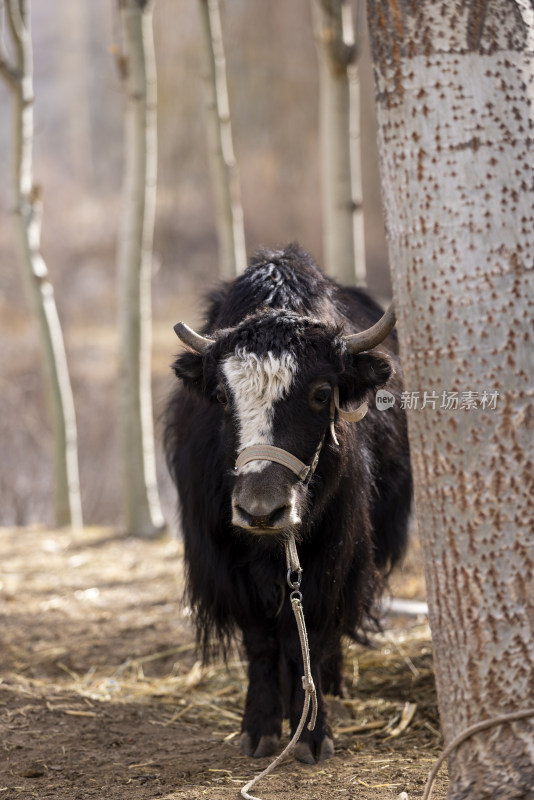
{"x":224,"y":172}
{"x":455,"y":91}
{"x":339,"y":100}
{"x":143,"y":515}
{"x":27,"y":207}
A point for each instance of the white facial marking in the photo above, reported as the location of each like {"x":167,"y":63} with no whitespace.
{"x":256,"y":384}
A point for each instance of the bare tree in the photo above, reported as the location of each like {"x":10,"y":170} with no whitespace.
{"x":225,"y":176}
{"x":339,"y":105}
{"x":27,"y":209}
{"x":454,"y":84}
{"x":143,"y":515}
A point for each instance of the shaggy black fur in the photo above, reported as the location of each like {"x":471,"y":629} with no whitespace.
{"x":355,"y":509}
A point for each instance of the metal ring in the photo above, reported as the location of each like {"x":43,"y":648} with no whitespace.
{"x":296,"y":595}
{"x":294,"y":584}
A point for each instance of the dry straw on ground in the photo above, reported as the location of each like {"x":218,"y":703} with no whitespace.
{"x":102,"y":693}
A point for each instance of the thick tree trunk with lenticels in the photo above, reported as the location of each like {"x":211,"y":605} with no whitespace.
{"x":454,"y":91}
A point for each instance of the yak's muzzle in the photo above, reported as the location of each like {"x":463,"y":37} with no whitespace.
{"x":266,"y":501}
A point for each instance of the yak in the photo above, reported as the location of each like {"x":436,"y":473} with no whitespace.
{"x":259,"y":443}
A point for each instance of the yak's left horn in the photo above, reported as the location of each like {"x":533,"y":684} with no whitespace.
{"x":192,"y":340}
{"x":366,"y":340}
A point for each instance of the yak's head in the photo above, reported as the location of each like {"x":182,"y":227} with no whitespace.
{"x":280,"y":380}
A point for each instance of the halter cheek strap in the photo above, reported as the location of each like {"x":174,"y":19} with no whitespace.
{"x":268,"y":452}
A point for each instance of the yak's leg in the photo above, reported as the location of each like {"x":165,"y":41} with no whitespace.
{"x":262,"y":722}
{"x":318,"y":743}
{"x":332,"y":672}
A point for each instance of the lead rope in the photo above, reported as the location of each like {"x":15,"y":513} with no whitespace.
{"x":304,"y":473}
{"x":460,"y":739}
{"x":310,"y":694}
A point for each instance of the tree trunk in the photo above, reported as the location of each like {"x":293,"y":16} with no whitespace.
{"x":224,"y":172}
{"x":143,"y":515}
{"x":27,"y":207}
{"x":454,"y":89}
{"x":339,"y":101}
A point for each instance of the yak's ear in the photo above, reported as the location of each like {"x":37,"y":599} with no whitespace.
{"x":189,"y":368}
{"x":363,"y":372}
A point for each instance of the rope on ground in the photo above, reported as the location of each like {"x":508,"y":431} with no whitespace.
{"x":460,"y":739}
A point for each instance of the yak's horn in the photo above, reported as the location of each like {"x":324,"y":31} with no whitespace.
{"x":192,"y":340}
{"x":366,"y":340}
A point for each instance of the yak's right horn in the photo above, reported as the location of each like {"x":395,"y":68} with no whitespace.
{"x":192,"y":340}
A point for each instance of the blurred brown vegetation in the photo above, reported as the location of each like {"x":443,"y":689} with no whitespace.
{"x":272,"y":75}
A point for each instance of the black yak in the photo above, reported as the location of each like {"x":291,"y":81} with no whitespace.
{"x":274,"y":371}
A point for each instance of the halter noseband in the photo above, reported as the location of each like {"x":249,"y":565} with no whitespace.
{"x":304,"y":472}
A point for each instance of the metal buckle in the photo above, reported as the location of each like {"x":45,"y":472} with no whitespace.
{"x":295,"y":585}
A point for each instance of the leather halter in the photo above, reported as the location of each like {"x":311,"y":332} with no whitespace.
{"x":268,"y":452}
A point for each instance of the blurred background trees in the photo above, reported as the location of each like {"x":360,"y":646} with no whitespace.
{"x":272,"y":73}
{"x":339,"y":135}
{"x":16,"y":67}
{"x":224,"y":170}
{"x":137,"y":68}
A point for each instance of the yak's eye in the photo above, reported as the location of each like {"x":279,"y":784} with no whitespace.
{"x":221,"y":396}
{"x":320,"y":395}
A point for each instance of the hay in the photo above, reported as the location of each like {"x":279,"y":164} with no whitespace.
{"x":83,"y":655}
{"x":393,"y":698}
{"x":381,"y":703}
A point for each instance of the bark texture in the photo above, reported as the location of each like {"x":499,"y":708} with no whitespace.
{"x":142,"y":510}
{"x":224,"y":172}
{"x":339,"y":102}
{"x":27,"y":208}
{"x":455,"y":92}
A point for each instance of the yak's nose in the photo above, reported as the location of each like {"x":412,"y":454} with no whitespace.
{"x":261,"y":516}
{"x":256,"y":506}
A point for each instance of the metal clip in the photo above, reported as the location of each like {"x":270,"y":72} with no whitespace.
{"x":294,"y":584}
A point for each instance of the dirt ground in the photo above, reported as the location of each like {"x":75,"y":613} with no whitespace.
{"x":101,"y":693}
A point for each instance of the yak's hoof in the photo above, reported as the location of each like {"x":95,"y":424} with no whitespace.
{"x":303,"y":751}
{"x":266,"y":746}
{"x":246,"y":744}
{"x":327,"y":748}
